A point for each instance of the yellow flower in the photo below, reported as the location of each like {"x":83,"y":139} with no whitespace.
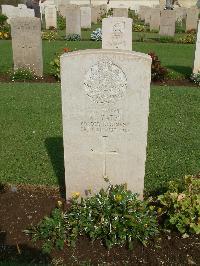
{"x":59,"y":203}
{"x":75,"y":194}
{"x":6,"y":35}
{"x":118,"y":197}
{"x":0,"y":33}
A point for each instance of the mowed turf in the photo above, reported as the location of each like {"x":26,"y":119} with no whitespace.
{"x":31,"y":135}
{"x":178,"y":58}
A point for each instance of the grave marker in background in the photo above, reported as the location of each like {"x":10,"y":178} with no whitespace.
{"x":27,"y":44}
{"x":73,"y":21}
{"x":167,"y":22}
{"x":117,"y":33}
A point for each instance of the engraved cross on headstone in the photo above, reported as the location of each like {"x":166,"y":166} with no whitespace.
{"x":105,"y":153}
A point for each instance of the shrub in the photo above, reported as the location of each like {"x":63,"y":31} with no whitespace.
{"x":73,"y":37}
{"x":140,"y":28}
{"x":55,"y":63}
{"x":158,"y":72}
{"x":115,"y":216}
{"x":196,"y":78}
{"x":3,"y":19}
{"x":181,"y":207}
{"x":96,"y":35}
{"x":22,"y":74}
{"x":189,"y":38}
{"x":50,"y":35}
{"x":61,"y":21}
{"x":4,"y":35}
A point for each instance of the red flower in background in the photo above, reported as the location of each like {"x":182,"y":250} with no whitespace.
{"x":66,"y":50}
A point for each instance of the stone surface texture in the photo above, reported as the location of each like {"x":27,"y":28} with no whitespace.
{"x":51,"y":16}
{"x":196,"y":68}
{"x":86,"y":17}
{"x":27,"y":44}
{"x":105,"y":107}
{"x":120,"y":12}
{"x":73,"y":20}
{"x":117,"y":33}
{"x":167,"y":22}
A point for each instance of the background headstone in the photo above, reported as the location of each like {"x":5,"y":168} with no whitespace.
{"x":51,"y":16}
{"x":155,"y":19}
{"x":147,"y":16}
{"x":120,"y":12}
{"x":73,"y":21}
{"x":167,"y":22}
{"x":117,"y":33}
{"x":27,"y":44}
{"x":105,"y":107}
{"x":192,"y":19}
{"x":196,"y":68}
{"x":86,"y":17}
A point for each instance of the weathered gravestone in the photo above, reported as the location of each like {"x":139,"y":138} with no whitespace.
{"x":73,"y":21}
{"x":147,"y":16}
{"x":180,"y":13}
{"x":117,"y":33}
{"x":167,"y":22}
{"x":95,"y":13}
{"x":142,"y":12}
{"x":196,"y":68}
{"x":105,"y":107}
{"x":51,"y":16}
{"x":120,"y":12}
{"x":192,"y":18}
{"x":27,"y":44}
{"x":155,"y":19}
{"x":86,"y":17}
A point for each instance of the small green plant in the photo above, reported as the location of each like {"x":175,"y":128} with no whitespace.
{"x":22,"y":74}
{"x":195,"y":77}
{"x":96,"y":35}
{"x":51,"y":230}
{"x":189,"y":38}
{"x":180,"y":208}
{"x":55,"y":63}
{"x":114,"y":215}
{"x":3,"y":20}
{"x":158,"y":72}
{"x":73,"y":37}
{"x":61,"y":21}
{"x":180,"y":26}
{"x":50,"y":35}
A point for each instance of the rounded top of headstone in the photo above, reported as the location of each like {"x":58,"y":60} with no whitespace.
{"x":138,"y":55}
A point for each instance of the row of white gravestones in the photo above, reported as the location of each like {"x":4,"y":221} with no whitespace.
{"x":27,"y":44}
{"x":20,"y":11}
{"x":105,"y":118}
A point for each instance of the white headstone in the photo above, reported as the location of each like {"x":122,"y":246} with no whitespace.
{"x":117,"y":33}
{"x":86,"y":17}
{"x":167,"y":22}
{"x":120,"y":12}
{"x":155,"y":19}
{"x":192,"y":19}
{"x":51,"y":16}
{"x":196,"y":68}
{"x":105,"y":111}
{"x":73,"y":21}
{"x":27,"y":44}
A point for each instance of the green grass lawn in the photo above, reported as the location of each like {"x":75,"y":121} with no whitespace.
{"x":31,"y":134}
{"x":178,"y":58}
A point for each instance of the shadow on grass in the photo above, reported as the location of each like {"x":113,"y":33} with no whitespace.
{"x":183,"y":70}
{"x":55,"y":151}
{"x":13,"y":255}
